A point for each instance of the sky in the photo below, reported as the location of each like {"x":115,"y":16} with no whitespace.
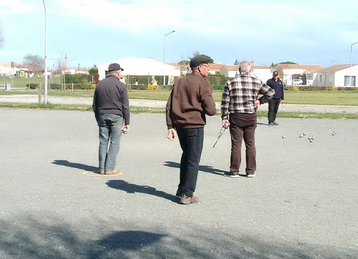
{"x":93,"y":32}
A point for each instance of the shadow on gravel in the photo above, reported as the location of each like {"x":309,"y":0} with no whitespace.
{"x":45,"y":235}
{"x":203,"y":168}
{"x":134,"y":188}
{"x":53,"y":238}
{"x":75,"y":165}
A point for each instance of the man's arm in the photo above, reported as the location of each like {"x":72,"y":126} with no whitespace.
{"x":267,"y":93}
{"x":225,"y":101}
{"x":208,"y":102}
{"x":168,"y":107}
{"x":94,"y":105}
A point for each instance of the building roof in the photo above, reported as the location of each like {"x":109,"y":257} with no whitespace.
{"x":261,"y":67}
{"x":308,"y":68}
{"x":214,"y":66}
{"x":335,"y":68}
{"x":232,"y":67}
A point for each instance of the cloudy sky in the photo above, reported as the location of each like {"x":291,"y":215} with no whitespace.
{"x":92,"y":32}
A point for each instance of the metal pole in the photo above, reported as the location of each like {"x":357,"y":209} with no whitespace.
{"x":164,"y":53}
{"x":46,"y":78}
{"x":350,"y":57}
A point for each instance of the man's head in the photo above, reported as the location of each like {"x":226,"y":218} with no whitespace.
{"x":245,"y":67}
{"x":115,"y":69}
{"x":200,"y":63}
{"x":275,"y":74}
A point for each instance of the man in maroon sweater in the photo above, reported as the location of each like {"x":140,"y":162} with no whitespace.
{"x":190,"y":100}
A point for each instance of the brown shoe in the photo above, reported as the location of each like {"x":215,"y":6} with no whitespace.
{"x":188,"y":200}
{"x":112,"y":172}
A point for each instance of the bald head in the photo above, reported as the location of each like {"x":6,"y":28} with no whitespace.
{"x":245,"y":67}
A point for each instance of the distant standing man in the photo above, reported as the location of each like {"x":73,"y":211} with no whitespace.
{"x":238,"y":111}
{"x":276,"y":84}
{"x":111,"y":109}
{"x":190,"y":100}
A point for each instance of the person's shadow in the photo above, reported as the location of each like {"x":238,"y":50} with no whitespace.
{"x":203,"y":168}
{"x":134,"y":188}
{"x":75,"y":165}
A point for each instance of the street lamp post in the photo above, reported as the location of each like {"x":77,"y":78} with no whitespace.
{"x":46,"y":78}
{"x":164,"y":53}
{"x":350,"y":57}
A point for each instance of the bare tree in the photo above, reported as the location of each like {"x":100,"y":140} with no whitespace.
{"x":34,"y":63}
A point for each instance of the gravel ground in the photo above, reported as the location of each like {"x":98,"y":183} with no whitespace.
{"x":302,"y":204}
{"x":161,"y":104}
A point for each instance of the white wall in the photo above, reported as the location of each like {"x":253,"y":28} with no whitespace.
{"x":263,"y":74}
{"x":336,"y":78}
{"x":141,"y":66}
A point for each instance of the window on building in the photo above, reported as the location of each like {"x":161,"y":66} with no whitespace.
{"x":321,"y":78}
{"x":347,"y":81}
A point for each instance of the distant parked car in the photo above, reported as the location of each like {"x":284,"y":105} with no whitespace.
{"x":297,"y":82}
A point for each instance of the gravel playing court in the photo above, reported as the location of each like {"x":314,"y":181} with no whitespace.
{"x":302,"y":204}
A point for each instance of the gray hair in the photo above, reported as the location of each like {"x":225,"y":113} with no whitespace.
{"x":245,"y":67}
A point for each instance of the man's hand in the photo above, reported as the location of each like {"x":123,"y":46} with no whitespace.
{"x":257,"y":104}
{"x":125,"y":129}
{"x":225,"y":123}
{"x":171,"y":134}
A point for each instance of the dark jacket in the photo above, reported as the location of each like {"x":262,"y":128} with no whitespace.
{"x":278,"y":87}
{"x":111,"y":97}
{"x":189,"y":101}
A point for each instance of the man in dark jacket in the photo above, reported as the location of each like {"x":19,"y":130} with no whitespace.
{"x":111,"y":109}
{"x":276,"y":84}
{"x":190,"y":100}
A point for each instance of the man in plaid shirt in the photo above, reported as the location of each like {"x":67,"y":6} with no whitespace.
{"x":238,"y":111}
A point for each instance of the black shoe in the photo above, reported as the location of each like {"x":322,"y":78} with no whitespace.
{"x":271,"y":124}
{"x":275,"y":123}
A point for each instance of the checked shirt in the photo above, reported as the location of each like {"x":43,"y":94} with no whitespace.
{"x":241,"y":92}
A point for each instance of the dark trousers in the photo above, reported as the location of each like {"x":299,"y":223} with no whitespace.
{"x":191,"y":142}
{"x":272,"y":109}
{"x":243,"y":126}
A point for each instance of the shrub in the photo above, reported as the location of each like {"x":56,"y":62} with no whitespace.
{"x":152,"y":87}
{"x":218,"y":87}
{"x":55,"y":86}
{"x":32,"y":85}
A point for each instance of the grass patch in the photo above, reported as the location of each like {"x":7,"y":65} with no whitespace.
{"x":310,"y":115}
{"x":345,"y":98}
{"x":48,"y":106}
{"x":138,"y":110}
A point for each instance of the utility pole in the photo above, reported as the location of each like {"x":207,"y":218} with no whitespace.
{"x":164,"y":53}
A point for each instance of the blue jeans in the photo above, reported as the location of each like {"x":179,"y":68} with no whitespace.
{"x":191,"y":142}
{"x":110,"y":131}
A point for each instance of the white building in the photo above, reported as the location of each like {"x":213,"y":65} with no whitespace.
{"x":288,"y":72}
{"x":261,"y":72}
{"x":142,"y":67}
{"x":337,"y":75}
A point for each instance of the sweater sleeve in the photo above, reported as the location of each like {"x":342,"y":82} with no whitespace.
{"x":125,"y":106}
{"x":168,"y":109}
{"x":208,"y":102}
